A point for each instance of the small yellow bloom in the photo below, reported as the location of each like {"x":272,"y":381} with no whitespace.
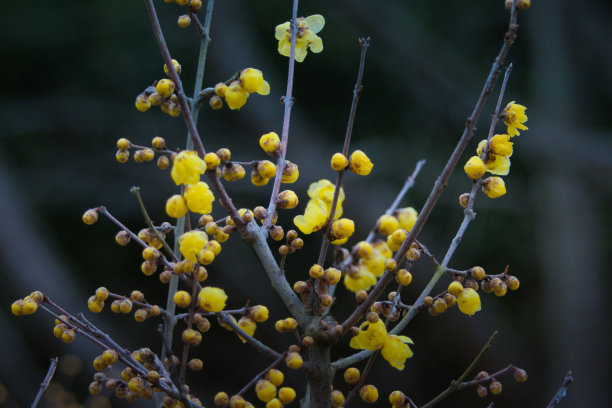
{"x":339,"y":162}
{"x":498,"y":165}
{"x":363,"y":280}
{"x":474,"y":168}
{"x":372,"y":336}
{"x":514,"y":117}
{"x":265,"y":390}
{"x":468,"y":301}
{"x":501,"y":145}
{"x":182,"y":299}
{"x":395,"y":240}
{"x":235,"y":95}
{"x":360,"y":163}
{"x":212,"y":299}
{"x":396,"y":351}
{"x":307,"y":28}
{"x":343,"y":228}
{"x":248,"y":325}
{"x":260,"y":313}
{"x":290,"y":173}
{"x":287,"y":199}
{"x":251,"y":80}
{"x":387,"y":224}
{"x":368,"y":393}
{"x":324,"y":190}
{"x":286,"y":395}
{"x":187,"y":168}
{"x":270,"y":143}
{"x":407,"y":217}
{"x":314,"y":217}
{"x":494,"y":187}
{"x":165,"y":88}
{"x":199,"y":198}
{"x":176,"y":206}
{"x":190,"y":243}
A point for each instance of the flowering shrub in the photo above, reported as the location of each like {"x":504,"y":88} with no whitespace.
{"x":366,"y":267}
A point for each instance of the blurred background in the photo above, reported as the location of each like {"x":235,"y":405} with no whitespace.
{"x":73,"y":69}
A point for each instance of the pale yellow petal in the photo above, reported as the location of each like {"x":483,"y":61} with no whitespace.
{"x":281,"y":30}
{"x":316,"y":22}
{"x":265,"y":89}
{"x":317,"y":45}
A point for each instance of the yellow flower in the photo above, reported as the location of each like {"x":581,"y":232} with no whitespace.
{"x":387,"y":224}
{"x":199,"y":198}
{"x":407,"y":217}
{"x":176,"y":206}
{"x":212,"y":299}
{"x":498,"y":165}
{"x":190,"y":243}
{"x":248,"y":325}
{"x":494,"y":187}
{"x":187,"y":168}
{"x":468,"y":301}
{"x":396,"y":351}
{"x":501,"y":144}
{"x":307,"y":29}
{"x":363,"y":280}
{"x":360,"y":163}
{"x":290,"y":173}
{"x":474,"y":168}
{"x":270,"y":143}
{"x":372,"y":336}
{"x":514,"y":117}
{"x":324,"y":190}
{"x":235,"y":95}
{"x":343,"y":228}
{"x":251,"y":80}
{"x":375,"y":264}
{"x":314,"y":217}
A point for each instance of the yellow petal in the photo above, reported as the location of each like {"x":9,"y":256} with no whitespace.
{"x":300,"y":54}
{"x":281,"y":30}
{"x":317,"y":45}
{"x":316,"y":22}
{"x":265,"y":89}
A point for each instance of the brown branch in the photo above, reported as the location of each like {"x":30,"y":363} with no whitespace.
{"x":45,"y":384}
{"x":288,"y":102}
{"x":440,"y":184}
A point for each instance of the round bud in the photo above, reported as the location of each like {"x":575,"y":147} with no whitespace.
{"x":455,"y":288}
{"x":372,"y":317}
{"x":307,"y":341}
{"x":352,"y":375}
{"x":274,"y":376}
{"x":339,"y":162}
{"x":158,"y":143}
{"x":337,"y":399}
{"x":495,"y":387}
{"x":165,"y":87}
{"x":294,"y":360}
{"x":520,"y":375}
{"x":221,"y":399}
{"x":123,"y":144}
{"x":368,"y":393}
{"x":404,"y":277}
{"x":195,"y":364}
{"x":513,"y":283}
{"x":148,"y":154}
{"x":477,"y":273}
{"x":165,"y":276}
{"x":276,"y":232}
{"x":91,"y":216}
{"x":184,"y":21}
{"x":481,"y":391}
{"x":464,"y":200}
{"x":286,"y":395}
{"x":122,"y":156}
{"x":123,"y":238}
{"x":163,"y":162}
{"x":182,"y":299}
{"x":397,"y":398}
{"x":331,"y":275}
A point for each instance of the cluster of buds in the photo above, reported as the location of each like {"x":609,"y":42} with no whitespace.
{"x":144,"y":153}
{"x":161,"y":94}
{"x":27,"y":305}
{"x":250,"y":80}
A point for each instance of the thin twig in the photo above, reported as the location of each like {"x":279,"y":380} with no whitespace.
{"x":364,"y":43}
{"x":260,"y":375}
{"x":454,"y":386}
{"x":288,"y":102}
{"x":149,"y":222}
{"x":440,"y":184}
{"x":45,"y":384}
{"x":562,"y":392}
{"x":226,"y":318}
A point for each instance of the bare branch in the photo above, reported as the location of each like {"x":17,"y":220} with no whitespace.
{"x":562,"y":392}
{"x":45,"y":384}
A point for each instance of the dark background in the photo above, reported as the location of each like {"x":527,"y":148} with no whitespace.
{"x":71,"y":71}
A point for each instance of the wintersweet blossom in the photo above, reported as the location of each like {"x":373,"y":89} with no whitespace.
{"x":190,"y":243}
{"x":307,"y":29}
{"x":468,"y":301}
{"x":396,"y":351}
{"x":187,"y":168}
{"x":514,"y":117}
{"x":212,"y":299}
{"x":374,"y":336}
{"x":199,"y":198}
